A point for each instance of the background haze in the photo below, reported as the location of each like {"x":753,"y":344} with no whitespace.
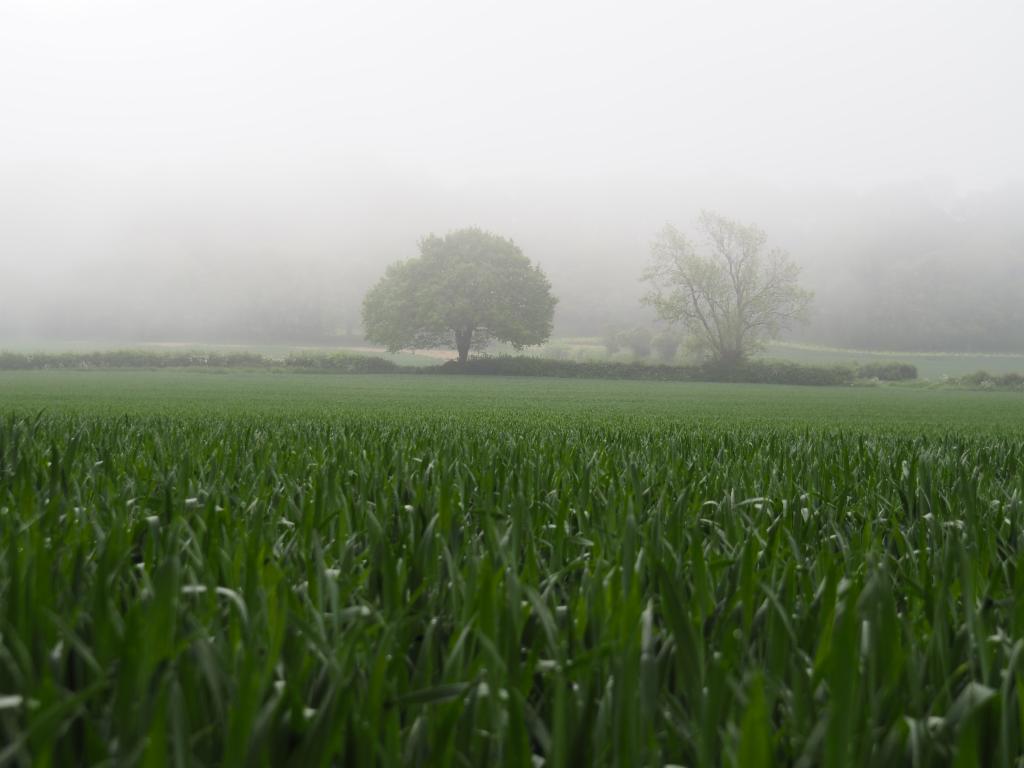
{"x":244,"y":171}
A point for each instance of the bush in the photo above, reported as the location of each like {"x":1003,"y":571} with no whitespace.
{"x":779,"y":372}
{"x":12,"y":361}
{"x":341,"y":364}
{"x":976,"y":379}
{"x":986,"y":380}
{"x":887,"y":371}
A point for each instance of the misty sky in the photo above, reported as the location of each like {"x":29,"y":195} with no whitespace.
{"x":163,"y":132}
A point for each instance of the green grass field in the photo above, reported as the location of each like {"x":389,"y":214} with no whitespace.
{"x":660,"y":403}
{"x":202,"y":568}
{"x":930,"y":365}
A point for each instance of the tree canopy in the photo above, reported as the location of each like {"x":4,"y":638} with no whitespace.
{"x":733,"y":295}
{"x":463,"y":290}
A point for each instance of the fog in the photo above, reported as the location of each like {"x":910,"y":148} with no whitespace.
{"x":244,"y":171}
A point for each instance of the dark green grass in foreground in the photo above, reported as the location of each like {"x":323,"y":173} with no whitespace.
{"x":240,"y":569}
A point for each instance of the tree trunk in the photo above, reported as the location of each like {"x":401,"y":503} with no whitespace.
{"x":463,"y":337}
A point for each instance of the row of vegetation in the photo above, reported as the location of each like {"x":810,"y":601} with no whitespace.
{"x":986,"y":380}
{"x":777,"y":372}
{"x":127,"y":359}
{"x":753,"y":372}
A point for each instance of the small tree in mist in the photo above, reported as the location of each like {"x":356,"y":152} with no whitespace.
{"x":639,"y":341}
{"x":666,"y":345}
{"x":733,"y":295}
{"x":612,"y":340}
{"x":463,"y":290}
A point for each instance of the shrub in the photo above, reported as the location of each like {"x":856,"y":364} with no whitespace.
{"x":779,"y":372}
{"x":341,"y":363}
{"x":976,"y":379}
{"x":986,"y":380}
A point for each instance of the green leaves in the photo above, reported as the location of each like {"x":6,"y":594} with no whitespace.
{"x":270,"y":586}
{"x":464,"y":289}
{"x":755,"y":731}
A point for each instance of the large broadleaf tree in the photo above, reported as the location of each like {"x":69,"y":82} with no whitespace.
{"x":462,"y":291}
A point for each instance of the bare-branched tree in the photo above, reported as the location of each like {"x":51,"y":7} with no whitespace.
{"x":733,"y":295}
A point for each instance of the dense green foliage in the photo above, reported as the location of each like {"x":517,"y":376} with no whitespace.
{"x":463,"y":290}
{"x":374,"y":570}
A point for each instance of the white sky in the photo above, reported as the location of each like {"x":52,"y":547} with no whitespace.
{"x":857,"y":92}
{"x":278,"y":125}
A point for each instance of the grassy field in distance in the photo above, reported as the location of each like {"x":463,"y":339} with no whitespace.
{"x":930,"y":365}
{"x":209,"y":568}
{"x":323,"y":395}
